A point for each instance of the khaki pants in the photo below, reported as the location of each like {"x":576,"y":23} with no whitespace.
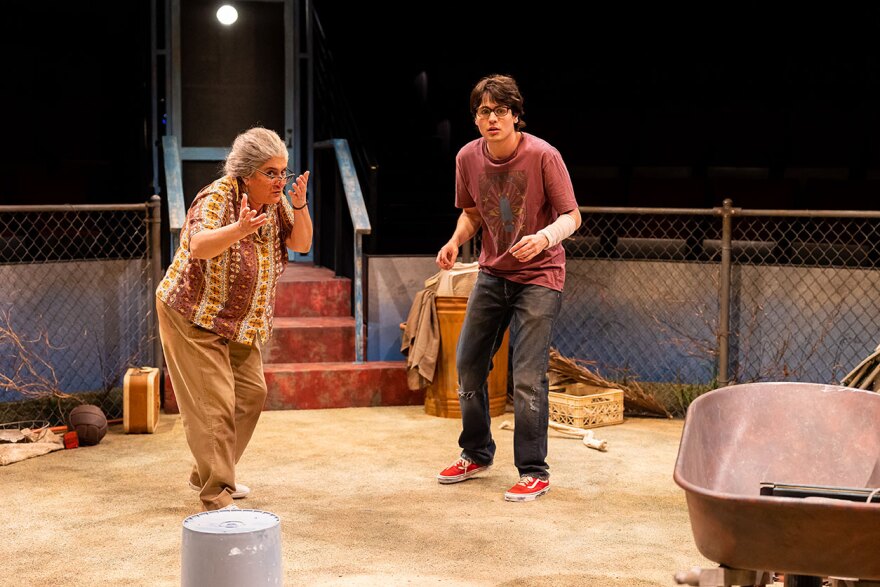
{"x":220,"y":388}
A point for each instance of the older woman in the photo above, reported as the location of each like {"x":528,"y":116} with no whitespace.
{"x":216,"y":302}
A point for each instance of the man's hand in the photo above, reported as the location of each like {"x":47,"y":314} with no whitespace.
{"x":447,"y":255}
{"x":529,"y":246}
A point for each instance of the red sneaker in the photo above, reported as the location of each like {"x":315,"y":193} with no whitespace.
{"x":527,"y":489}
{"x":460,"y":470}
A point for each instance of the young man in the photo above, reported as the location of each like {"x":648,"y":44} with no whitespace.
{"x":517,"y":188}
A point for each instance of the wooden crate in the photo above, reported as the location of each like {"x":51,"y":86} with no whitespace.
{"x":580,"y":389}
{"x":586,"y":406}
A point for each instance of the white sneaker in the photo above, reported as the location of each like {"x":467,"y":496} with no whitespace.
{"x":241,"y":491}
{"x":231,"y":506}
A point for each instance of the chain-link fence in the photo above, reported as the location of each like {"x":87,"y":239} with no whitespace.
{"x":687,"y":300}
{"x":681,"y":300}
{"x":76,"y":306}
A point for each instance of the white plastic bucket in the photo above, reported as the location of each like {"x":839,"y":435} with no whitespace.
{"x":226,"y":548}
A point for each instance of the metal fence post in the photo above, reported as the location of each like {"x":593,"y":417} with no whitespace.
{"x":154,"y":245}
{"x":724,"y":302}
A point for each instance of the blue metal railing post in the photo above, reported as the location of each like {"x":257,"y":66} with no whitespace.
{"x":361,"y":222}
{"x":174,"y":189}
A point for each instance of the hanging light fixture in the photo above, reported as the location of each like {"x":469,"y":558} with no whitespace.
{"x":227,"y":14}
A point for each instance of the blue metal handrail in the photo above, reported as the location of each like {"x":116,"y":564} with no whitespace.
{"x":174,"y":189}
{"x":360,"y":220}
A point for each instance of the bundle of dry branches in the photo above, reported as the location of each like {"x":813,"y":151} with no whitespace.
{"x":866,"y":375}
{"x":29,"y":374}
{"x":635,"y":399}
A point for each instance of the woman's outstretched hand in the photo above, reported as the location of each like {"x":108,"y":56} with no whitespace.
{"x":248,"y":219}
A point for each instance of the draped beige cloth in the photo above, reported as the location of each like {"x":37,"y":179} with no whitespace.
{"x":18,"y":445}
{"x":420,"y":339}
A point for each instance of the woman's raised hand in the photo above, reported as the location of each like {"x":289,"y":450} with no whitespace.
{"x":297,"y":191}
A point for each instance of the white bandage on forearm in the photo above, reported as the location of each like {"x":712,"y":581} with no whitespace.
{"x":560,"y":229}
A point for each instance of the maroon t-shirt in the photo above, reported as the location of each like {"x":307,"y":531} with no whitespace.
{"x":515,"y":197}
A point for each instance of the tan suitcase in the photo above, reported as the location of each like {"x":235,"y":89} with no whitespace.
{"x":140,"y":391}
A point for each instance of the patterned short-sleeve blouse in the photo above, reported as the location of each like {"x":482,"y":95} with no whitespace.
{"x":232,"y":294}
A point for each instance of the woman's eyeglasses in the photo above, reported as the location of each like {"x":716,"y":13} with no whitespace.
{"x":283,"y":177}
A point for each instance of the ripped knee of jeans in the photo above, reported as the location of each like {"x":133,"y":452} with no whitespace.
{"x":533,"y":400}
{"x":466,"y":395}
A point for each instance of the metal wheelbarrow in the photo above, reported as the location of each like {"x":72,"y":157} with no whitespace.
{"x":783,"y":478}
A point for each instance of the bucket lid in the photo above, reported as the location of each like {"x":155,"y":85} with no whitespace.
{"x":231,"y":521}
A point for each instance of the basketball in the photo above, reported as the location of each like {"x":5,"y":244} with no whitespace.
{"x":90,"y":424}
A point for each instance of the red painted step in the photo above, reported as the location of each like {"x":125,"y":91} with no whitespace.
{"x":309,"y":291}
{"x":328,"y":339}
{"x":301,"y":386}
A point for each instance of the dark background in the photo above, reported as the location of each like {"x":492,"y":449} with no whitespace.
{"x":772,"y":106}
{"x":649,"y":106}
{"x":76,"y":103}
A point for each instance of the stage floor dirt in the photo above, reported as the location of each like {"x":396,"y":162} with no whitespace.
{"x":359,"y":505}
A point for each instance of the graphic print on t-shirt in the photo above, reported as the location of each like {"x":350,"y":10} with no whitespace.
{"x":502,"y":199}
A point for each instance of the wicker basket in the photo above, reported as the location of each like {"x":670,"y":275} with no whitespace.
{"x":586,"y":406}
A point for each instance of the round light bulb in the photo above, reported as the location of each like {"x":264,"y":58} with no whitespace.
{"x":227,"y":14}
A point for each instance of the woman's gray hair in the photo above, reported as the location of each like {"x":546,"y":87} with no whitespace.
{"x":251,"y":149}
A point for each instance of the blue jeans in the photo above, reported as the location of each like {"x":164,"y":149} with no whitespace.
{"x":530,"y":311}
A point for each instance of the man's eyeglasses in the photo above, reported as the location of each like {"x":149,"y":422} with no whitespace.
{"x":500,"y":111}
{"x":284,"y":177}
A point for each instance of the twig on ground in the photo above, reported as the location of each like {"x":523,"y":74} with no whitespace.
{"x":587,"y":435}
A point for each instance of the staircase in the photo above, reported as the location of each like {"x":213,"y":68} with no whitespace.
{"x":309,"y":359}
